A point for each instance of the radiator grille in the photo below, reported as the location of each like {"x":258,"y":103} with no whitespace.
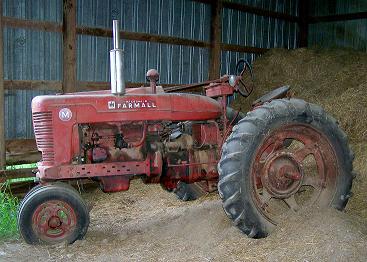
{"x":42,"y":123}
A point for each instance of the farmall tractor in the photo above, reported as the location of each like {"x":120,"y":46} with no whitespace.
{"x":285,"y":154}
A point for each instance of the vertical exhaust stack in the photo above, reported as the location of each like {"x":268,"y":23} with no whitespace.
{"x":117,"y":63}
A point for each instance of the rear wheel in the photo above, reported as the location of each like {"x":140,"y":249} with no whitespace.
{"x":260,"y":178}
{"x":53,"y":214}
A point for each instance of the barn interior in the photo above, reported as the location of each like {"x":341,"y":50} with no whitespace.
{"x":317,"y":47}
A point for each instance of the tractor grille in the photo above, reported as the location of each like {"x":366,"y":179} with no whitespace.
{"x":42,"y":123}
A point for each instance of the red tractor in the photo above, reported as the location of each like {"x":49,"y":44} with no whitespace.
{"x":283,"y":155}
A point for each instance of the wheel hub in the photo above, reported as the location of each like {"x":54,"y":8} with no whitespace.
{"x":281,"y":175}
{"x":54,"y":222}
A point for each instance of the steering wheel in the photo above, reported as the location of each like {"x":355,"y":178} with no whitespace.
{"x":242,"y":67}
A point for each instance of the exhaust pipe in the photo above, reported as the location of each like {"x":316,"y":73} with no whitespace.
{"x":117,"y":62}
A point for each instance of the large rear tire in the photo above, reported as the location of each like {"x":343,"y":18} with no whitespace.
{"x":260,"y":179}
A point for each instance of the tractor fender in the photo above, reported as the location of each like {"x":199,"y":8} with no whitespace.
{"x":280,"y":92}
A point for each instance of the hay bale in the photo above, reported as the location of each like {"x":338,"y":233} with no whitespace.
{"x":335,"y":79}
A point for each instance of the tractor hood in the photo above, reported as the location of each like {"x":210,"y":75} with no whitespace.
{"x":136,"y":105}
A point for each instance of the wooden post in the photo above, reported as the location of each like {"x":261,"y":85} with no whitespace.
{"x":303,"y":23}
{"x":69,"y":46}
{"x":2,"y":95}
{"x":215,"y":40}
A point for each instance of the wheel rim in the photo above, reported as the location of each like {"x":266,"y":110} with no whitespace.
{"x":290,"y":177}
{"x":54,"y":221}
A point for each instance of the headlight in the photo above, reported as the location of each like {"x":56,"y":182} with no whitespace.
{"x":232,"y":80}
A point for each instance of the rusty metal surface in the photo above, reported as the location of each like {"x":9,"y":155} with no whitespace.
{"x":283,"y":169}
{"x":113,"y":138}
{"x":54,"y":220}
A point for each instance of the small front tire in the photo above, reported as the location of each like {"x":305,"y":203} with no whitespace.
{"x":53,"y":214}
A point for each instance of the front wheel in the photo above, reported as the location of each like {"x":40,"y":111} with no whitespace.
{"x":260,"y":178}
{"x":53,"y":213}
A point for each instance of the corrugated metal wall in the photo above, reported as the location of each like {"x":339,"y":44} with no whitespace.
{"x":179,"y":18}
{"x":252,"y":30}
{"x":29,"y":55}
{"x":350,"y":34}
{"x":38,"y":55}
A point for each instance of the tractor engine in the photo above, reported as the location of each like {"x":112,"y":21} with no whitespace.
{"x":183,"y":151}
{"x":112,"y":142}
{"x":109,"y":143}
{"x":191,"y":154}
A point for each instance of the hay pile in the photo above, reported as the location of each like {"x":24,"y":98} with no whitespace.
{"x":335,"y":79}
{"x":147,"y":223}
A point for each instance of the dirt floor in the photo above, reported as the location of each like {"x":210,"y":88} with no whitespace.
{"x":147,"y":223}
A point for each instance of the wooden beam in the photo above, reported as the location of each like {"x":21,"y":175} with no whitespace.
{"x":2,"y":94}
{"x":243,"y":49}
{"x":21,"y":151}
{"x":215,"y":40}
{"x":33,"y":85}
{"x":335,"y":18}
{"x":53,"y":27}
{"x":95,"y":31}
{"x":31,"y":24}
{"x":69,"y":46}
{"x":125,"y":35}
{"x":259,"y":11}
{"x":48,"y":26}
{"x":17,"y":173}
{"x":303,"y":23}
